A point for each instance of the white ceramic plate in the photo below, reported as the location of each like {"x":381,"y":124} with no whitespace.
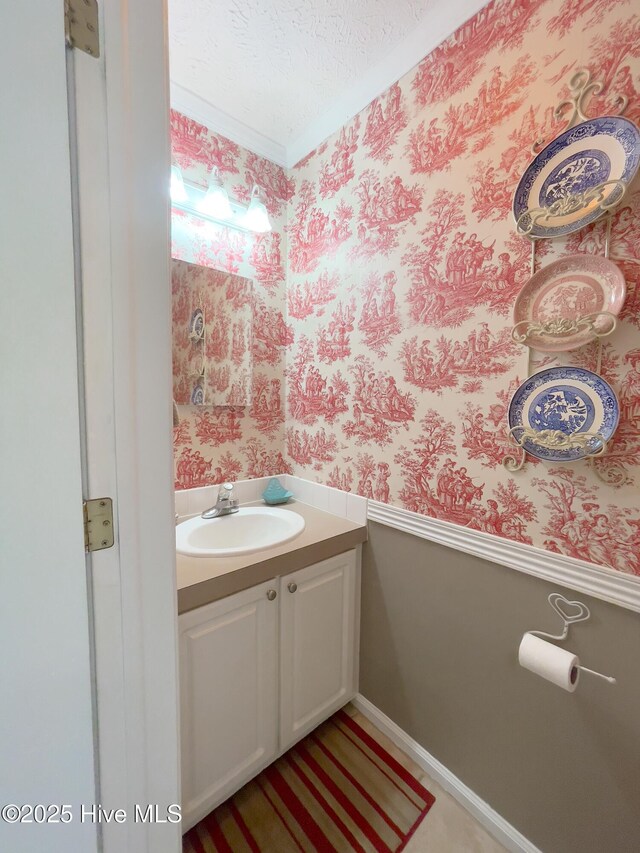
{"x":564,"y":292}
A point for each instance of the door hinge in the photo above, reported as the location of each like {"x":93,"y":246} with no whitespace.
{"x":98,"y":524}
{"x":81,"y":25}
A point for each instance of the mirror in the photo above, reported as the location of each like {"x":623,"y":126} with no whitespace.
{"x":212,"y":323}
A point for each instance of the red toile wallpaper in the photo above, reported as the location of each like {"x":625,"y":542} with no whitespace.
{"x":402,"y":266}
{"x":216,"y":359}
{"x":403,"y":269}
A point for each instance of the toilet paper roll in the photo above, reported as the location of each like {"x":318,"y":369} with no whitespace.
{"x":551,"y":662}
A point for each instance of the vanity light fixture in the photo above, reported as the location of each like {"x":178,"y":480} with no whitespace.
{"x":214,"y":205}
{"x":216,"y":201}
{"x":178,"y":191}
{"x":256,"y":218}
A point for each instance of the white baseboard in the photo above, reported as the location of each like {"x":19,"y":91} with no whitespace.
{"x":499,"y":828}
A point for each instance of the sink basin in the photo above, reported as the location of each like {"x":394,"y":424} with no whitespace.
{"x":252,"y":528}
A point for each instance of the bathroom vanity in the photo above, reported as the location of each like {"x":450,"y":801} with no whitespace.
{"x":271,"y":655}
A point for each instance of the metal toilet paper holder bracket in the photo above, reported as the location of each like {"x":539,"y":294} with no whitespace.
{"x":570,"y":612}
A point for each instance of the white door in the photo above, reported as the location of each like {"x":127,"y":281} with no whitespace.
{"x":318,"y":643}
{"x":116,"y":155}
{"x":229,"y":696}
{"x":46,"y":717}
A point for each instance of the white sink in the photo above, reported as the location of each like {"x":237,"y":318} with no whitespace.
{"x":252,"y":528}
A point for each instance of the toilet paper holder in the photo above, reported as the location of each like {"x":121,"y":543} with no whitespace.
{"x":570,"y":612}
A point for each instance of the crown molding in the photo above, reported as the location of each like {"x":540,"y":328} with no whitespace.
{"x":202,"y":111}
{"x":598,"y":581}
{"x":442,"y":20}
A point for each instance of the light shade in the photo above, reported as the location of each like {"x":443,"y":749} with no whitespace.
{"x":178,"y":191}
{"x":256,"y":218}
{"x":216,"y":201}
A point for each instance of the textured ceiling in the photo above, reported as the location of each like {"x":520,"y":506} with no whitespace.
{"x":278,"y":65}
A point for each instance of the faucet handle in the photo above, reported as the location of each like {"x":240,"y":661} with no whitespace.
{"x":225,"y":492}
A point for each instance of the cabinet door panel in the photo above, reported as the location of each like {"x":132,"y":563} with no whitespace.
{"x":317,"y":644}
{"x":228,"y":679}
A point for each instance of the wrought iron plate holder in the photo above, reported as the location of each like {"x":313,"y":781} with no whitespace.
{"x":581,"y":88}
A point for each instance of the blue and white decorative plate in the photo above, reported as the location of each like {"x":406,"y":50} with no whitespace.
{"x":561,"y":191}
{"x":196,"y":324}
{"x":197,"y":395}
{"x":562,"y":414}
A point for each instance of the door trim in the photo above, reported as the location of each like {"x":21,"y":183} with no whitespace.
{"x":123,"y":158}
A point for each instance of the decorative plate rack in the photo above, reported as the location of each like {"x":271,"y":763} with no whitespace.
{"x":563,"y":414}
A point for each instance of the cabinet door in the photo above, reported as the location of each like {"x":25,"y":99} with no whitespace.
{"x":229,"y":696}
{"x":318,"y":643}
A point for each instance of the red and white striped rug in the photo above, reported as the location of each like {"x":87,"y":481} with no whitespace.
{"x":336,"y":790}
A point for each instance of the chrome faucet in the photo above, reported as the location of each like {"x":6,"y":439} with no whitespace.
{"x":226,"y":503}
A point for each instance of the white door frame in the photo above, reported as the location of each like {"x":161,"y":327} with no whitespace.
{"x":123,"y":159}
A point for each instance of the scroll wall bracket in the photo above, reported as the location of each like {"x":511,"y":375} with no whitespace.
{"x":581,"y":89}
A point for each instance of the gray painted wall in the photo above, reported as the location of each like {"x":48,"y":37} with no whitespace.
{"x":440,"y":636}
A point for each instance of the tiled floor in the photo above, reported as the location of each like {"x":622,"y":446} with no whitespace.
{"x":447,"y":828}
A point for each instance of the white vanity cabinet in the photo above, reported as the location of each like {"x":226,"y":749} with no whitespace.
{"x":229,"y":696}
{"x":258,"y":670}
{"x":318,"y":642}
